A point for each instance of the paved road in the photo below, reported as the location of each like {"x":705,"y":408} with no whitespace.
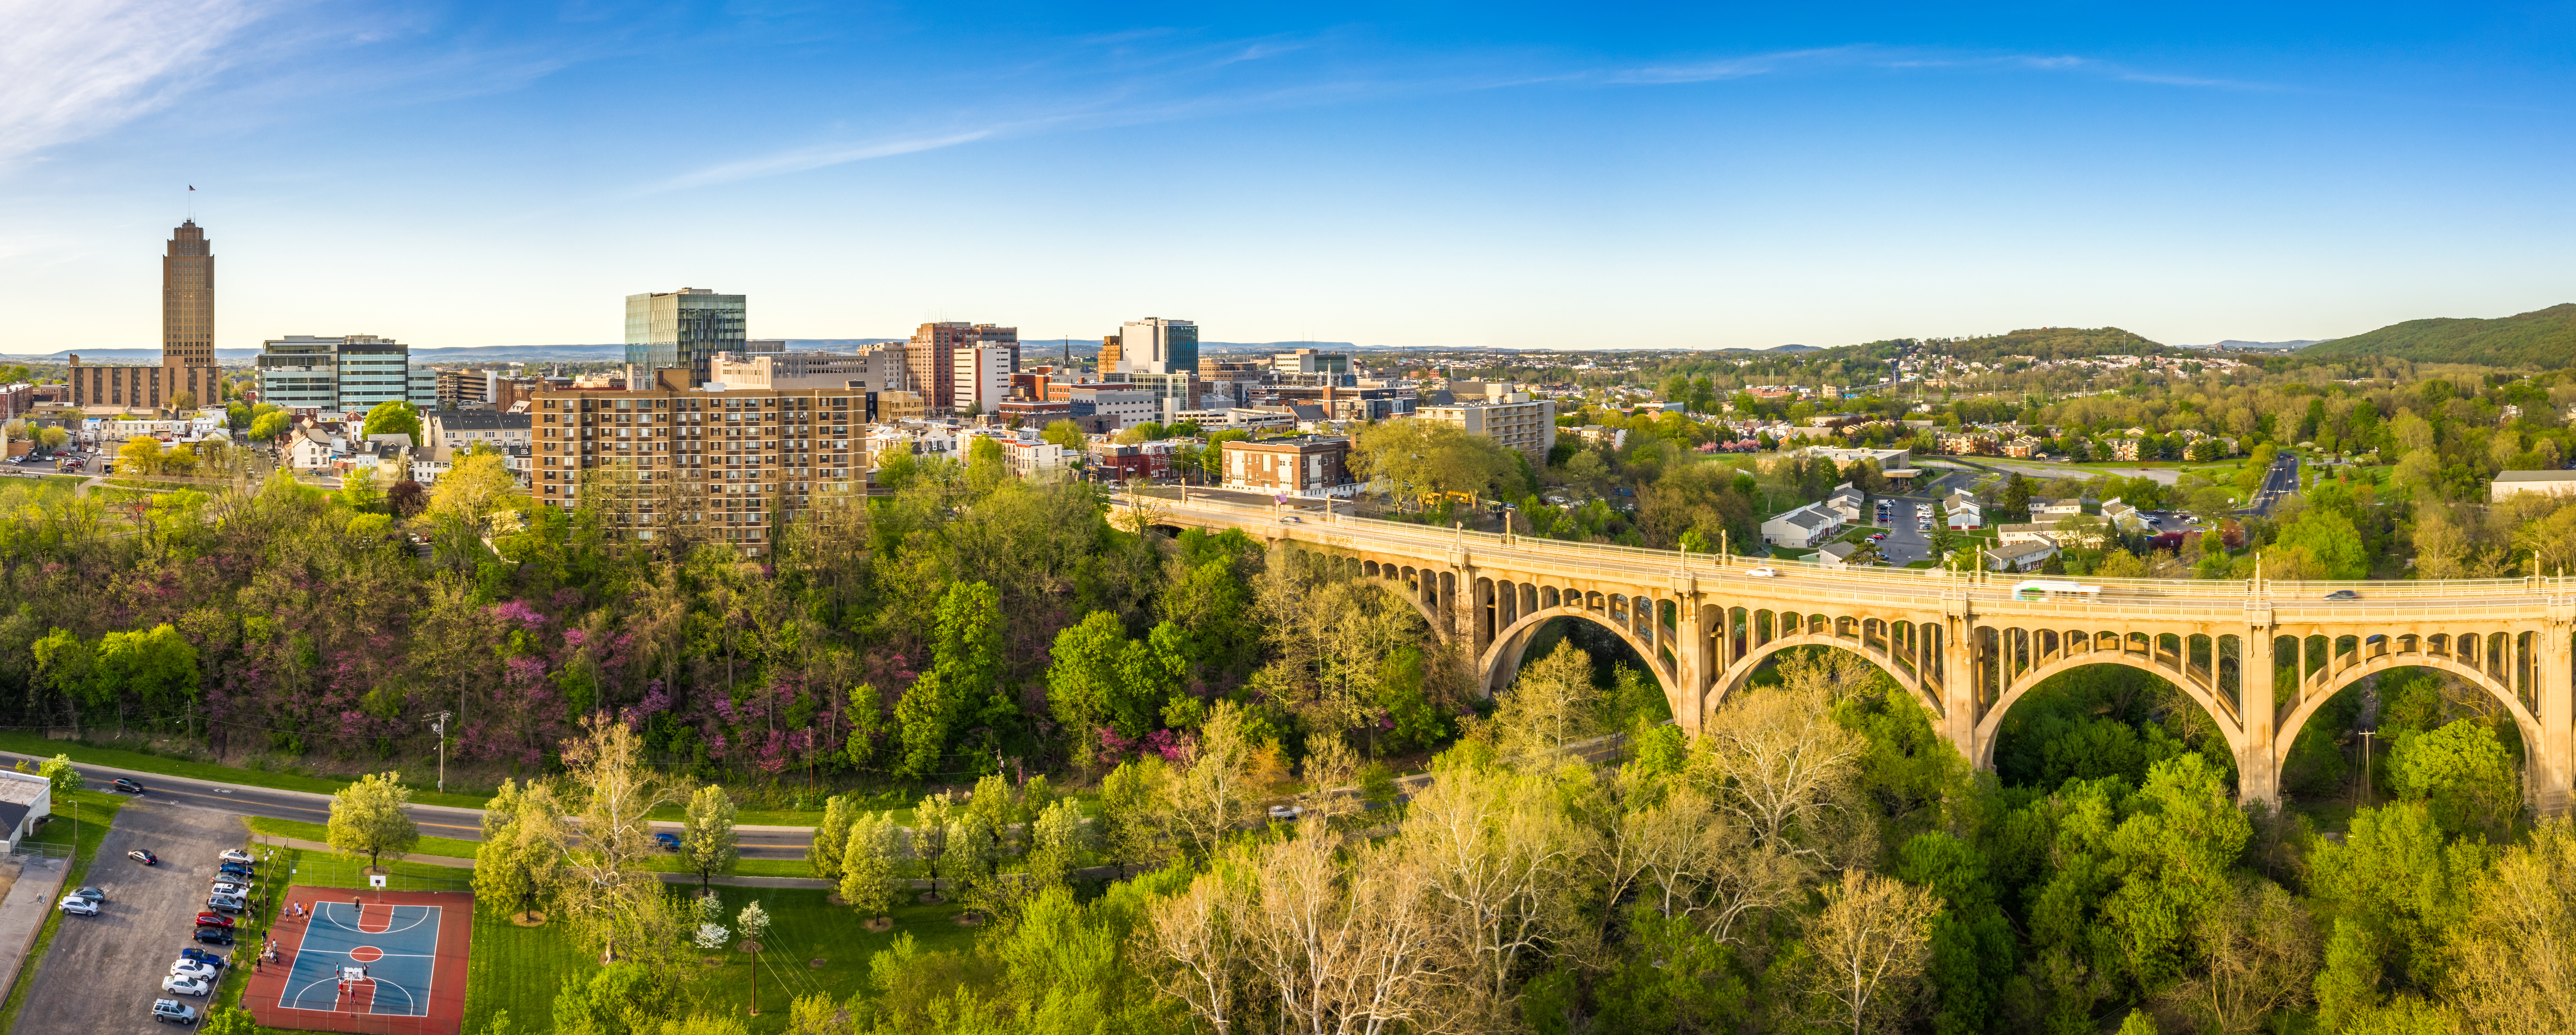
{"x":2282,"y":480}
{"x":103,"y":971}
{"x":758,"y":842}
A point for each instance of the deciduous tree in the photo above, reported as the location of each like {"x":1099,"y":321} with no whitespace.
{"x":367,"y":818}
{"x":707,"y":842}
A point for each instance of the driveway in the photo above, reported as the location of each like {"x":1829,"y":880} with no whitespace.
{"x":103,"y":971}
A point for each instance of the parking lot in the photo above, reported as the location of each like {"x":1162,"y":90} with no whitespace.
{"x":104,"y":971}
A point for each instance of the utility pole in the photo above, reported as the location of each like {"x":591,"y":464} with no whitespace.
{"x":440,"y":727}
{"x":2365,"y":765}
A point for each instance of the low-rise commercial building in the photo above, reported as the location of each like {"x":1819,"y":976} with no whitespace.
{"x":1306,"y":466}
{"x":2545,"y":483}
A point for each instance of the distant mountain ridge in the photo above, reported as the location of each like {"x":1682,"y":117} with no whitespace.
{"x":2234,"y":345}
{"x":2540,"y":338}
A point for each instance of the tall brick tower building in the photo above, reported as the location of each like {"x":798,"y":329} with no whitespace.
{"x":187,"y":338}
{"x":188,"y":299}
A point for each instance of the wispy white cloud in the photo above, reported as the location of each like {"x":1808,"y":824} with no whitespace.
{"x":803,"y":159}
{"x":74,"y":70}
{"x":1179,"y":82}
{"x":1895,"y":58}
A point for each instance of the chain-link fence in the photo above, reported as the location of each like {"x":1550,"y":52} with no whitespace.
{"x":314,"y":869}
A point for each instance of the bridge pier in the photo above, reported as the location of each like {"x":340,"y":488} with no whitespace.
{"x":2258,"y":757}
{"x":2550,"y":765}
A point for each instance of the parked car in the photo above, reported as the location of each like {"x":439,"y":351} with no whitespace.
{"x":78,"y":906}
{"x":214,"y":936}
{"x":91,"y":893}
{"x":196,"y":955}
{"x":236,"y":855}
{"x":185,"y":967}
{"x":226,"y":903}
{"x":242,"y":870}
{"x":172,"y":1011}
{"x":144,"y":857}
{"x":667,"y":841}
{"x":185,"y":985}
{"x":225,"y":887}
{"x":125,"y":785}
{"x":1286,"y":811}
{"x":214,"y":920}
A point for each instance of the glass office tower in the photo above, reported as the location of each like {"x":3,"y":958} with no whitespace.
{"x":684,"y":328}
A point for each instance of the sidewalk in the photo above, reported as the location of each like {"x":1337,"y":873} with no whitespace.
{"x":22,"y":915}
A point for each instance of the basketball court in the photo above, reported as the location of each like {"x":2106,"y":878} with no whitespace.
{"x":367,"y":961}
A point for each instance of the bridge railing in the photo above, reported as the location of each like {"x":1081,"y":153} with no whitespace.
{"x":1910,"y":582}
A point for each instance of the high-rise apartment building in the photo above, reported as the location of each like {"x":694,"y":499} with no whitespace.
{"x":721,"y":466}
{"x":684,"y":328}
{"x":1511,"y":418}
{"x":931,"y":355}
{"x":1156,"y":346}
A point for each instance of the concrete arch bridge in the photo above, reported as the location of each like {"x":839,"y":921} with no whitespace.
{"x":2258,"y":656}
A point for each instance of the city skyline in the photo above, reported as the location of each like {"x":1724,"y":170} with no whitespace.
{"x":1522,"y":180}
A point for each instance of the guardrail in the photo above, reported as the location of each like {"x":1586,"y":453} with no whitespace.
{"x":1911,"y":584}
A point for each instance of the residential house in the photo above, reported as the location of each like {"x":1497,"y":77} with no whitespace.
{"x":1968,"y":443}
{"x":1031,"y":458}
{"x":2048,"y":511}
{"x":2125,"y":448}
{"x":1837,"y":555}
{"x":1964,"y":511}
{"x":1118,"y":462}
{"x":2015,"y":535}
{"x":2024,"y":447}
{"x":1802,"y":528}
{"x":2125,"y":518}
{"x":1847,"y":503}
{"x":2022,"y":556}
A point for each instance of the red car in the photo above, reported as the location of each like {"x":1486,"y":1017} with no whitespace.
{"x":214,"y":920}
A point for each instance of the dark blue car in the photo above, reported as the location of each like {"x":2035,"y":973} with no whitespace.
{"x":202,"y":956}
{"x":668,"y":841}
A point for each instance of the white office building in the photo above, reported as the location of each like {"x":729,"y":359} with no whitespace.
{"x":350,"y":373}
{"x":983,"y":376}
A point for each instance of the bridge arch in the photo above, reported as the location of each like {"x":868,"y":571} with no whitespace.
{"x":1742,"y":669}
{"x":1991,"y":726}
{"x":2524,"y":722}
{"x":1502,"y":659}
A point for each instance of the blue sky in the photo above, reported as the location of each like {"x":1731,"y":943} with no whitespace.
{"x":1447,"y":175}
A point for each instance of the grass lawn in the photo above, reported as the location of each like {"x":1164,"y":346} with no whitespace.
{"x":519,"y":969}
{"x":95,"y":811}
{"x":28,"y":742}
{"x":447,"y":846}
